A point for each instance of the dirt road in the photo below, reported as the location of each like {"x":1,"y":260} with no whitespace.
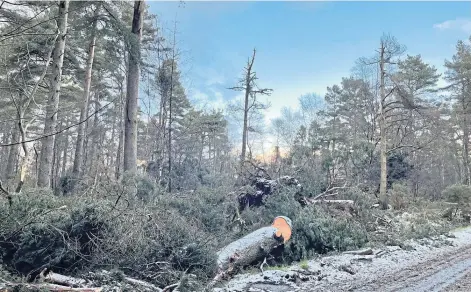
{"x":450,"y":272}
{"x":442,"y":264}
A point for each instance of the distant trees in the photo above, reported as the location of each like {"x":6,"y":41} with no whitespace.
{"x":385,"y":114}
{"x":459,"y":77}
{"x":71,"y":89}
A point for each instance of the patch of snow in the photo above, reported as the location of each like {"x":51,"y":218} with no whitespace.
{"x":330,"y":270}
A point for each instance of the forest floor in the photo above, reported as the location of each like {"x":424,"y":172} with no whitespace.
{"x":441,"y":263}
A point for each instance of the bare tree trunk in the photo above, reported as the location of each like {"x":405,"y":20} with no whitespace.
{"x":248,"y":91}
{"x":78,"y":159}
{"x":6,"y":135}
{"x":45,"y":161}
{"x":382,"y":127}
{"x":170,"y":115}
{"x":109,"y":150}
{"x":66,"y":150}
{"x":119,"y":158}
{"x":466,"y":155}
{"x":95,"y":139}
{"x":55,"y":166}
{"x":466,"y":166}
{"x":132,"y":91}
{"x":86,"y":142}
{"x":12,"y":155}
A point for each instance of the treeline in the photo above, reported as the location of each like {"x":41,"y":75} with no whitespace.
{"x":389,"y":122}
{"x":91,"y":89}
{"x":72,"y":76}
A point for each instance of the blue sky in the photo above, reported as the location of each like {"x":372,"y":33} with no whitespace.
{"x":302,"y":47}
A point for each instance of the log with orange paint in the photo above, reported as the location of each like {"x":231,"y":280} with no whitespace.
{"x":254,"y":246}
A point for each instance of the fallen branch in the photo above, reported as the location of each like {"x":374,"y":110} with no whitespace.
{"x":10,"y":287}
{"x":62,"y":280}
{"x":347,"y":269}
{"x":142,"y":283}
{"x":330,"y":202}
{"x":367,"y":251}
{"x":72,"y":281}
{"x":383,"y":219}
{"x":363,"y":259}
{"x":329,"y":189}
{"x":342,"y":205}
{"x":264,"y":263}
{"x":171,"y":287}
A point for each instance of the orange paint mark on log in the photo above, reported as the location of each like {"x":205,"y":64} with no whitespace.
{"x":283,"y":229}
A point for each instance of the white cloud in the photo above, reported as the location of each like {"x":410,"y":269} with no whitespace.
{"x":210,"y":76}
{"x":461,"y":24}
{"x":204,"y":101}
{"x":197,"y":95}
{"x":215,"y":80}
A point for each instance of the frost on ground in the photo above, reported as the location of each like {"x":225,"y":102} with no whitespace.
{"x":391,"y":266}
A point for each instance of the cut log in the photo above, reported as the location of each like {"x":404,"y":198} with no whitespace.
{"x":252,"y":247}
{"x":255,"y":245}
{"x":52,"y":277}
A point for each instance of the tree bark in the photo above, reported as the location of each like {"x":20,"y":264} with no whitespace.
{"x":12,"y":155}
{"x":382,"y":127}
{"x":119,"y":157}
{"x":248,"y":90}
{"x":132,"y":91}
{"x":55,"y":161}
{"x":78,"y":159}
{"x":466,"y":167}
{"x":252,"y":247}
{"x":65,"y":150}
{"x":45,"y":161}
{"x":93,"y":139}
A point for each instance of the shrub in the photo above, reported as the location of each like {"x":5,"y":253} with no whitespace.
{"x":148,"y":241}
{"x":460,"y":194}
{"x":210,"y":207}
{"x":147,"y":244}
{"x":314,"y":232}
{"x":139,"y":185}
{"x":282,"y":203}
{"x":41,"y":230}
{"x":399,"y":197}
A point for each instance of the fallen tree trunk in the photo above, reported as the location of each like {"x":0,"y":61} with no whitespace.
{"x":11,"y":287}
{"x":69,"y":282}
{"x":332,"y":202}
{"x":252,"y":247}
{"x":367,"y":251}
{"x":63,"y":280}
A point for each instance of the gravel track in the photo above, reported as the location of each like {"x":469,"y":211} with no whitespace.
{"x":442,"y":264}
